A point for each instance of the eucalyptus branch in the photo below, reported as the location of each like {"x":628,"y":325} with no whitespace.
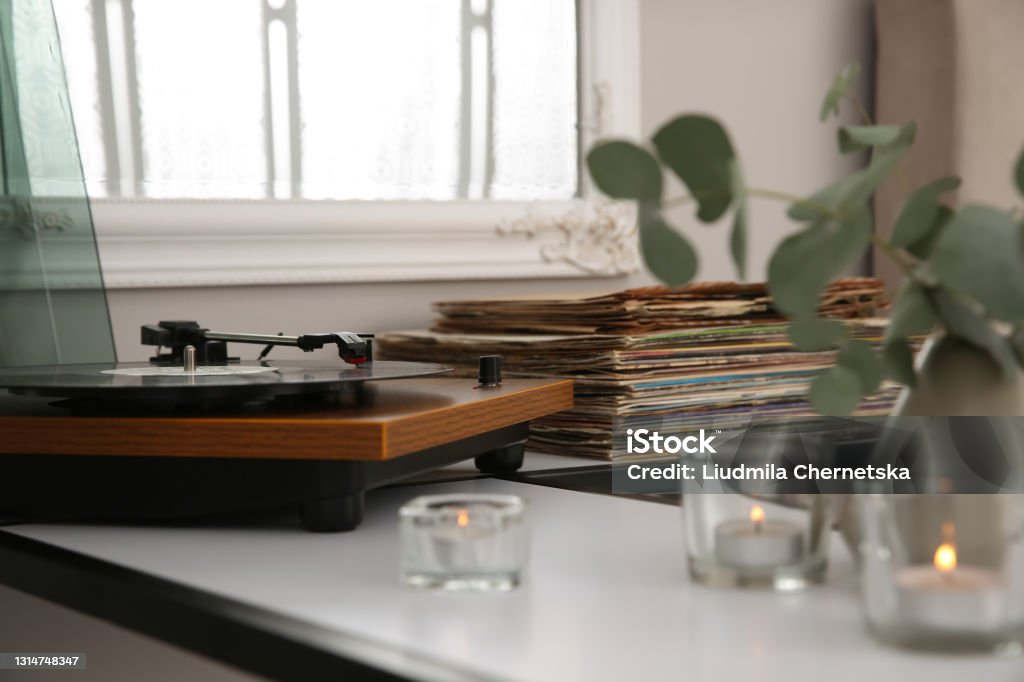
{"x":679,"y":201}
{"x":894,"y":255}
{"x":792,"y":199}
{"x":756,"y":193}
{"x":891,"y":251}
{"x":943,"y":277}
{"x":866,"y":119}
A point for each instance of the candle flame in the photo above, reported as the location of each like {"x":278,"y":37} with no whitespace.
{"x":462,"y":518}
{"x":945,"y":558}
{"x":757,"y":514}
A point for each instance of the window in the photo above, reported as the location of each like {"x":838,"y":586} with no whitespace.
{"x":325,"y":99}
{"x":323,"y":120}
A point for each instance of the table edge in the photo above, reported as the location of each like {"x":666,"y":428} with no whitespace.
{"x":236,"y":633}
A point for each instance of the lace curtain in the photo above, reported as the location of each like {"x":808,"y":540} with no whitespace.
{"x":324,"y":99}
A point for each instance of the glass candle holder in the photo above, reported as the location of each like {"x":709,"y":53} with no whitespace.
{"x":734,"y":540}
{"x":463,"y":542}
{"x":944,"y":572}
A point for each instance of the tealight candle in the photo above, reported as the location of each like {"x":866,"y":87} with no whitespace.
{"x":757,"y":542}
{"x":460,"y":542}
{"x":924,"y":590}
{"x":947,"y":596}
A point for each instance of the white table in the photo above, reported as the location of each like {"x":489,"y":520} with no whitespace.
{"x":607,"y":597}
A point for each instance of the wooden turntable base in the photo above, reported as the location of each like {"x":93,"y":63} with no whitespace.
{"x":389,"y":420}
{"x":59,"y":463}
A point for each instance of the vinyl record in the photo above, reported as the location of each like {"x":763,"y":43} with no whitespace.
{"x":239,"y":382}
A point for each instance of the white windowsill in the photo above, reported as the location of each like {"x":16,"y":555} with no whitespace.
{"x":225,"y":243}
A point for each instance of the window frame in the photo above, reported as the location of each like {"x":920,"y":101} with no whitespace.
{"x":160,"y":243}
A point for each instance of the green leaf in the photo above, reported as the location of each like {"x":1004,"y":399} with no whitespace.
{"x":923,"y":247}
{"x":839,"y":87}
{"x":815,"y":333}
{"x":1018,"y":174}
{"x":917,"y":215}
{"x":668,"y":254}
{"x":884,"y":160}
{"x":698,"y":150}
{"x":859,"y":357}
{"x":738,"y":236}
{"x":981,"y":254}
{"x":623,"y":170}
{"x":899,"y":361}
{"x":836,"y":392}
{"x":912,"y":312}
{"x":971,"y":327}
{"x":805,"y":262}
{"x":859,"y":138}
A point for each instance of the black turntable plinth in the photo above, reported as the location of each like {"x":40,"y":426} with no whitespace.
{"x":316,"y":437}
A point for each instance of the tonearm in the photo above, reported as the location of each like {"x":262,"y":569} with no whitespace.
{"x":211,"y":346}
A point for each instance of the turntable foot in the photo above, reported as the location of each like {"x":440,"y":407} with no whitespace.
{"x":333,"y":515}
{"x":502,"y":460}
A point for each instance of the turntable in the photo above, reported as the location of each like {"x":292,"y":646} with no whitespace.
{"x":196,"y":432}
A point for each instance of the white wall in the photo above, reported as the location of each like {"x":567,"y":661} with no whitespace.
{"x":301,"y":309}
{"x":762,"y":66}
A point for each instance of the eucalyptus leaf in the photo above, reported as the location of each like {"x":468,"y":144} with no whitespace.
{"x":836,"y":392}
{"x":975,"y":329}
{"x":912,"y":312}
{"x":923,"y":247}
{"x":805,"y":262}
{"x":623,"y":170}
{"x":859,"y":357}
{"x":698,"y":150}
{"x":738,"y":236}
{"x":898,"y":360}
{"x":839,"y":87}
{"x":981,"y":254}
{"x":884,"y":160}
{"x":859,"y":138}
{"x":668,"y":254}
{"x":811,"y":334}
{"x":917,"y":215}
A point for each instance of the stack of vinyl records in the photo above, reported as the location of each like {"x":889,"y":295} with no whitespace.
{"x":710,"y":355}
